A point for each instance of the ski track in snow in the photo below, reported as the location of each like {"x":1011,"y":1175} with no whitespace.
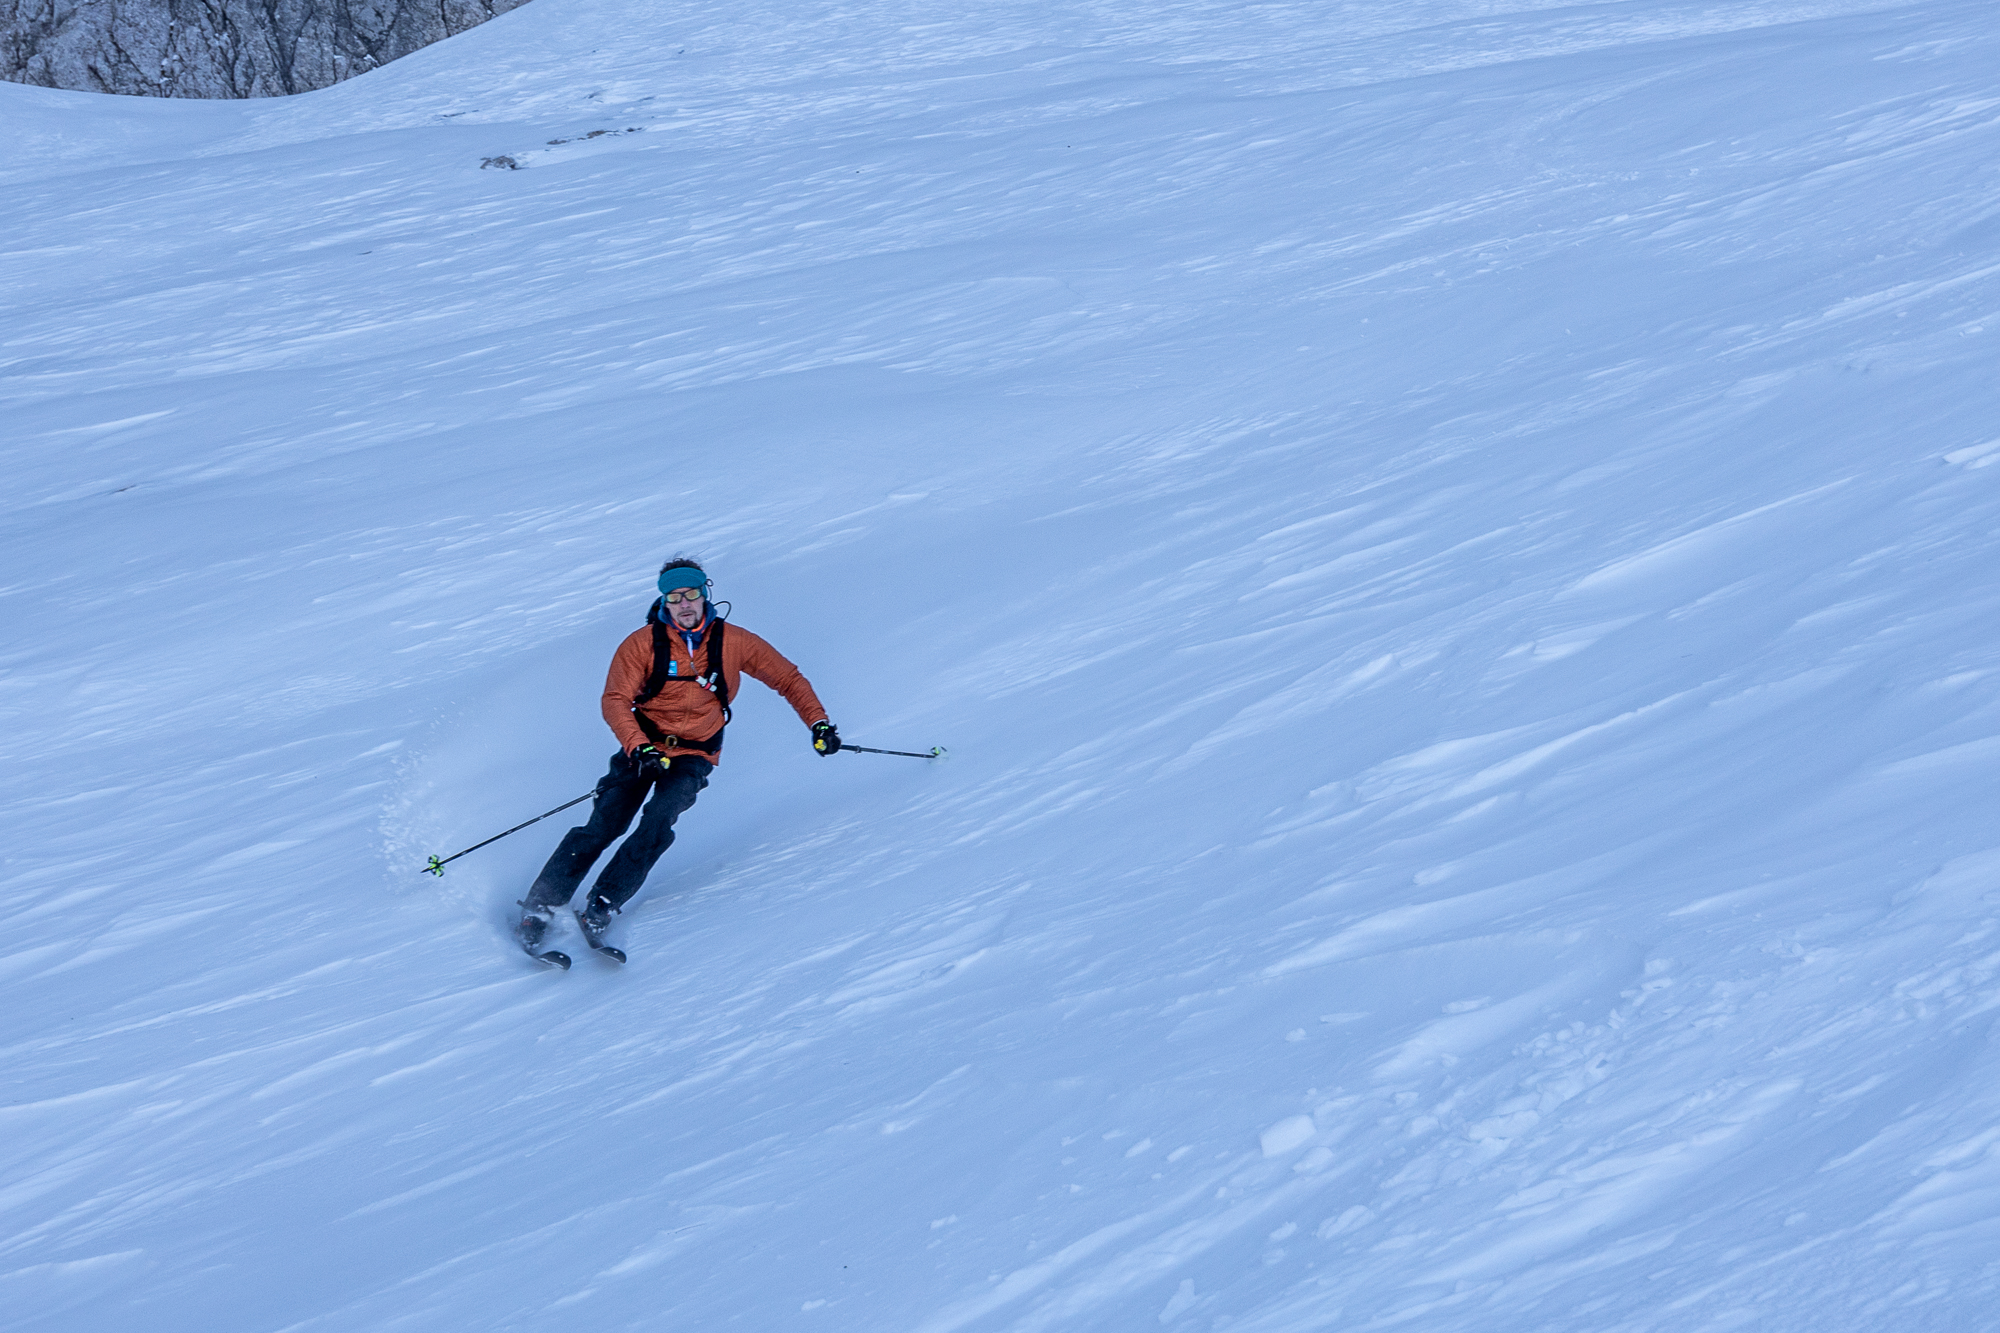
{"x":1452,"y":545}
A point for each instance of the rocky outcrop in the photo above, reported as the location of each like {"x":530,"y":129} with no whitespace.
{"x":219,"y":48}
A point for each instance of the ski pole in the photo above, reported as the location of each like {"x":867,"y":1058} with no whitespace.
{"x":935,"y":752}
{"x":436,"y":867}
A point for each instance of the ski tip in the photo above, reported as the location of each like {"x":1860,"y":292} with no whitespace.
{"x":554,"y":958}
{"x":615,"y":955}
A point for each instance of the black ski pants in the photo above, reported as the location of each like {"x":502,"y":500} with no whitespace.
{"x":619,"y":795}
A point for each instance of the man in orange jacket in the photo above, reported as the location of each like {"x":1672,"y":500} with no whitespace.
{"x":667,"y":700}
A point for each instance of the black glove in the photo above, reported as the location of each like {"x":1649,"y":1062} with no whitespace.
{"x":650,"y":761}
{"x":826,"y":739}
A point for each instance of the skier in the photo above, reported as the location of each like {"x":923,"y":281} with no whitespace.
{"x":667,"y":700}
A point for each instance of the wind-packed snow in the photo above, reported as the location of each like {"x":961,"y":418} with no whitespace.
{"x":1455,"y":548}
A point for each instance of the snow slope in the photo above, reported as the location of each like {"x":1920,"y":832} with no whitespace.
{"x":1453,"y":545}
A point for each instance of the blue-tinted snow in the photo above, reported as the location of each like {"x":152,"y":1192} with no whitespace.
{"x":1454,"y":546}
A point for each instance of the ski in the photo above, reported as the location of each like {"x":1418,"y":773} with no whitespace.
{"x":595,"y":939}
{"x":553,"y":958}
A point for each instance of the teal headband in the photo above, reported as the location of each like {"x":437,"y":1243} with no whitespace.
{"x":683,"y":578}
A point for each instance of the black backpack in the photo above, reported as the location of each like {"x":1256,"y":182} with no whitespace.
{"x":659,"y":678}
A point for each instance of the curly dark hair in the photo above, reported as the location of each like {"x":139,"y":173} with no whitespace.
{"x":683,"y":562}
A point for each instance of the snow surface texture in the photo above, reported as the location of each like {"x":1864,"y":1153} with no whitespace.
{"x":218,"y":48}
{"x":1453,"y":545}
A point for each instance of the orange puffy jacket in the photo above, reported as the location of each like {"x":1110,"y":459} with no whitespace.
{"x":684,"y":709}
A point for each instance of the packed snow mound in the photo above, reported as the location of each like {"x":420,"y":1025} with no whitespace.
{"x":1452,"y":545}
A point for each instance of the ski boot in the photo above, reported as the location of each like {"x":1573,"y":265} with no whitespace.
{"x":533,"y":925}
{"x":594,"y":920}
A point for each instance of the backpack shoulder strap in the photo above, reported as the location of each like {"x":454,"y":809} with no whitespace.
{"x":717,"y":680}
{"x":663,"y":660}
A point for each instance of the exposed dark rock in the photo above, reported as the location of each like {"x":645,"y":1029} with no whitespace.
{"x":219,"y":48}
